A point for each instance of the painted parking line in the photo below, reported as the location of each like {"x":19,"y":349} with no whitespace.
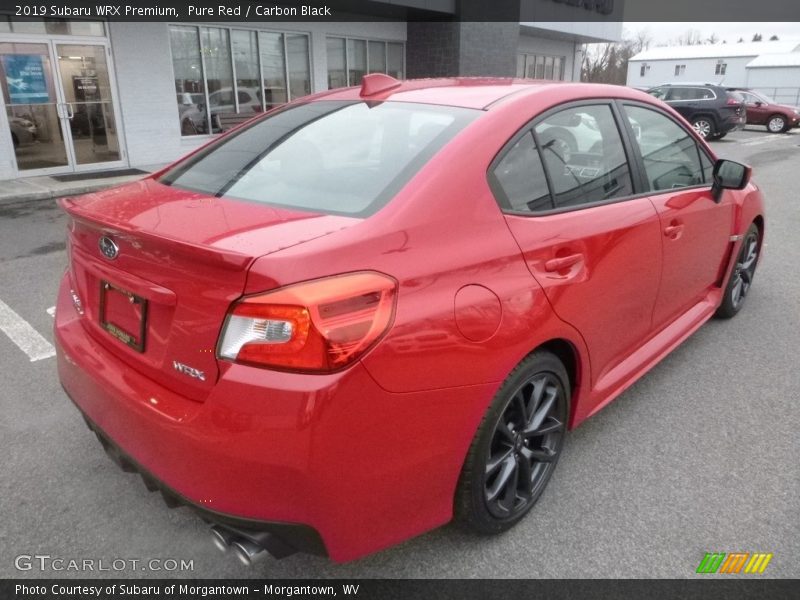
{"x":51,"y":311}
{"x":763,"y":139}
{"x":23,"y":335}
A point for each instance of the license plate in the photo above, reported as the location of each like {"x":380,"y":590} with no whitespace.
{"x":123,"y":314}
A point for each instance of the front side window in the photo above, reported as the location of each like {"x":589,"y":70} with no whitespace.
{"x":584,"y":156}
{"x":660,"y":92}
{"x":670,"y":154}
{"x":330,"y":157}
{"x":680,"y":94}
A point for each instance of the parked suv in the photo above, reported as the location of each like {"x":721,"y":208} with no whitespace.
{"x":711,"y":109}
{"x":761,"y":110}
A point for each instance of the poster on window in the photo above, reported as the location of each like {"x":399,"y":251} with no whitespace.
{"x":26,"y":78}
{"x":86,"y":88}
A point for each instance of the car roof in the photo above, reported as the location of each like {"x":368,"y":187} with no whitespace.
{"x":477,"y":92}
{"x":687,"y":84}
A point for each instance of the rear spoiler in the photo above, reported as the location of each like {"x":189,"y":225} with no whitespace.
{"x":226,"y":259}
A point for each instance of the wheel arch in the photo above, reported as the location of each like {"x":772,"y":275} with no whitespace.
{"x":576,"y":363}
{"x":759,"y":222}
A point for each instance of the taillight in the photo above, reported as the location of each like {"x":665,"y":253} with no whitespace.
{"x":733,"y":102}
{"x":318,"y":326}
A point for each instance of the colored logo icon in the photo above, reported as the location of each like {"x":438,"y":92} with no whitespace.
{"x":734,"y":562}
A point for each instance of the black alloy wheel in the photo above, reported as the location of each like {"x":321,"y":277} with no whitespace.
{"x":517,"y":446}
{"x":743,"y":273}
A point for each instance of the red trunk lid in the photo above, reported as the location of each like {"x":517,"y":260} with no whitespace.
{"x":182,"y":259}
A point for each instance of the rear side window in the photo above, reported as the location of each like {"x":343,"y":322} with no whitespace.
{"x":520,"y":176}
{"x":670,"y":154}
{"x":584,"y":156}
{"x":330,"y":157}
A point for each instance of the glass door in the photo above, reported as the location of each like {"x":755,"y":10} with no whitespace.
{"x":33,"y":108}
{"x":88,"y":105}
{"x":60,"y":106}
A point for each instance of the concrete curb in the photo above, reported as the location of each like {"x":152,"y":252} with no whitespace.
{"x":45,"y":191}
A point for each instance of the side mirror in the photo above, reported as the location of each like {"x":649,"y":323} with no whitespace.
{"x":759,"y":103}
{"x":729,"y":175}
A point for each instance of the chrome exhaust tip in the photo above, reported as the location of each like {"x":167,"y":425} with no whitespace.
{"x":222,"y":538}
{"x":247,"y":552}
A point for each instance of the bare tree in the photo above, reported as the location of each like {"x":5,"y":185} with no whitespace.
{"x":757,"y":37}
{"x":774,"y":38}
{"x":691,"y":38}
{"x":642,"y":40}
{"x":608,"y":63}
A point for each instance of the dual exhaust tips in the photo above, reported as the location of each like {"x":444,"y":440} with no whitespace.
{"x":249,"y":546}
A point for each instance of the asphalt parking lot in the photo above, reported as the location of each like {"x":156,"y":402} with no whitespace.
{"x":700,"y":455}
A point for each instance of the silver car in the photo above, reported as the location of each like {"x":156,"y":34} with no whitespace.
{"x":23,"y":131}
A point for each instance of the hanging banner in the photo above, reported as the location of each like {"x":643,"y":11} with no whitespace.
{"x":26,"y":78}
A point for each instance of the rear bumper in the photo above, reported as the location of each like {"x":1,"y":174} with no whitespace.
{"x":733,"y":124}
{"x":333,"y":454}
{"x":298,"y":537}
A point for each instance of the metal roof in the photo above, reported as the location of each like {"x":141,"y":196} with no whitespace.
{"x":716,"y":50}
{"x":789,"y":59}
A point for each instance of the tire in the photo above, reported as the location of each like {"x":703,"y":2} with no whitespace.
{"x":741,"y":279}
{"x":704,"y":127}
{"x":719,"y":136}
{"x":501,"y":454}
{"x":776,"y":124}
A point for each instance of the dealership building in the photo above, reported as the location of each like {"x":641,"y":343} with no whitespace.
{"x":84,"y":96}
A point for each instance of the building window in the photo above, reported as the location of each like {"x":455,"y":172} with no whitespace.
{"x":721,"y":68}
{"x":680,"y":70}
{"x":349,"y":59}
{"x":644,"y":69}
{"x":219,"y":70}
{"x":537,"y":66}
{"x":52,"y":26}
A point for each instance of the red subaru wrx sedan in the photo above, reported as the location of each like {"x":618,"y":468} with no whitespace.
{"x":375,"y":309}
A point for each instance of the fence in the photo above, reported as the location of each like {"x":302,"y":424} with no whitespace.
{"x":781,"y":95}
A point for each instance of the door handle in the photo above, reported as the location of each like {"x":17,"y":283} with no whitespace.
{"x":64,"y":110}
{"x":673,"y":230}
{"x":564,"y":262}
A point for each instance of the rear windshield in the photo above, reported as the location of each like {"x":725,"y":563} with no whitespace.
{"x":331,"y":157}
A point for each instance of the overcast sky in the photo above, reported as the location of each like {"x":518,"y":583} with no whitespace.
{"x":661,"y":33}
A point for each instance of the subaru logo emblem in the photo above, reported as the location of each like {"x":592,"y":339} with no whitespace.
{"x":108,"y":247}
